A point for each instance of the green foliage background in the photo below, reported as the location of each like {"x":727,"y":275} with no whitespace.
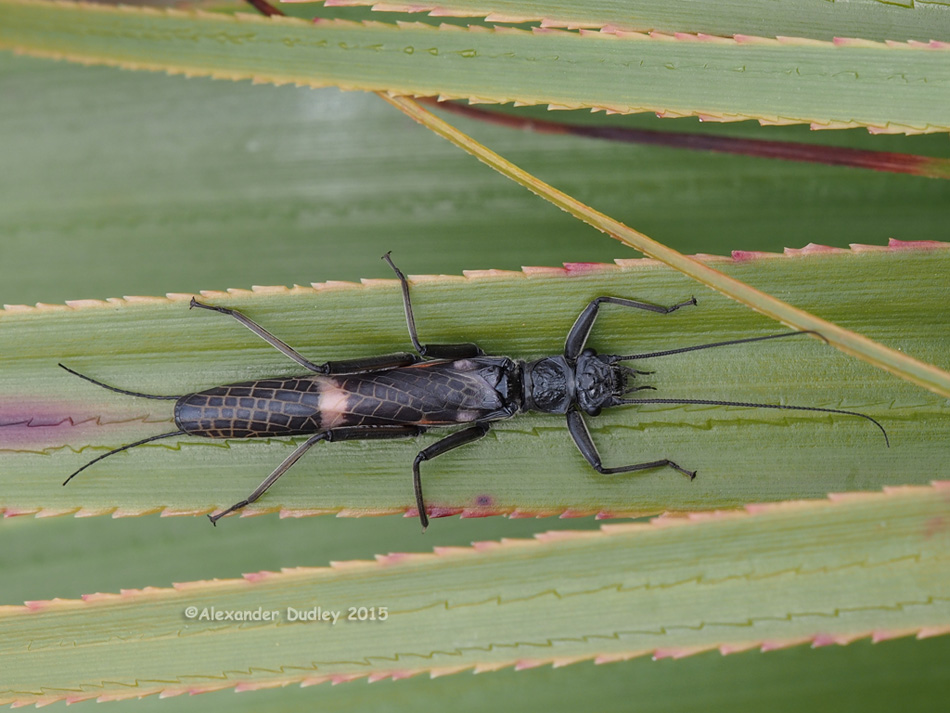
{"x":117,"y":183}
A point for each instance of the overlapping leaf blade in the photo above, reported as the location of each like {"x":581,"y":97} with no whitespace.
{"x":802,"y":18}
{"x":873,"y":564}
{"x":887,"y":87}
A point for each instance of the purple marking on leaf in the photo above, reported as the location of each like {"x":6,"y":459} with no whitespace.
{"x":895,"y":244}
{"x":743,"y":255}
{"x":484,"y":501}
{"x":470,"y":513}
{"x":435,"y":512}
{"x":29,"y":424}
{"x":585,"y":268}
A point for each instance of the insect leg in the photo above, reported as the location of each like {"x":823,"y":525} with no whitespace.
{"x":279,"y":345}
{"x":433,"y":351}
{"x":336,"y":434}
{"x":384,"y":361}
{"x":584,"y":443}
{"x":459,"y":438}
{"x":577,"y":337}
{"x":345,"y":366}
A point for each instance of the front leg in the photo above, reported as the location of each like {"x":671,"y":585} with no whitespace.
{"x":577,"y":337}
{"x":430,"y":351}
{"x":585,"y":444}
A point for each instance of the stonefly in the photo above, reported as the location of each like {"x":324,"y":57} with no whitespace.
{"x":404,"y":395}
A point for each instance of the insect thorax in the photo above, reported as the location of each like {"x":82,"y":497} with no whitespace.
{"x":555,"y":384}
{"x":548,"y":385}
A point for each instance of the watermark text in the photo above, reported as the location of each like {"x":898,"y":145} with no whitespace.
{"x":317,"y":614}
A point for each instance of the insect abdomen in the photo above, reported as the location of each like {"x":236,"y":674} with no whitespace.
{"x":255,"y":409}
{"x":432,"y":393}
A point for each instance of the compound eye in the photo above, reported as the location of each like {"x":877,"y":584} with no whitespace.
{"x":588,"y":352}
{"x":593,"y":410}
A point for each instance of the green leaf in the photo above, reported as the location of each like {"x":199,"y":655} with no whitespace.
{"x":128,"y":183}
{"x":887,"y":87}
{"x":821,"y":572}
{"x":802,"y":18}
{"x":67,"y":557}
{"x":54,"y":422}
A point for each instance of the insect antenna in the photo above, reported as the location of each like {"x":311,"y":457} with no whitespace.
{"x":123,"y":448}
{"x":127,"y":393}
{"x":705,"y":402}
{"x":118,"y":391}
{"x":668,"y":352}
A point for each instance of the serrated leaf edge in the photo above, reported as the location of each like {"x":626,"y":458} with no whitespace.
{"x":170,"y":689}
{"x":539,"y":541}
{"x":605,"y":32}
{"x":574,"y":269}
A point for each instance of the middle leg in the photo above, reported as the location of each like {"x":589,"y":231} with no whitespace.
{"x":459,"y":438}
{"x":432,"y":351}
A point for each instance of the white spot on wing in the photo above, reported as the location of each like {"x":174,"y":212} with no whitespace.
{"x":333,"y":402}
